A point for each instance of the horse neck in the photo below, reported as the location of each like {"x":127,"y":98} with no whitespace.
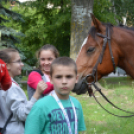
{"x":125,"y":45}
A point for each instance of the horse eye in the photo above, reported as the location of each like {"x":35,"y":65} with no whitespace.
{"x":91,"y":49}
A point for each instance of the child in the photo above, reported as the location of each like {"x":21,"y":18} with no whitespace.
{"x":14,"y":99}
{"x":5,"y":80}
{"x":45,"y":57}
{"x":58,"y":113}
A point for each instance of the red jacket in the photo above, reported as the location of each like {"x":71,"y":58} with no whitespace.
{"x":5,"y":79}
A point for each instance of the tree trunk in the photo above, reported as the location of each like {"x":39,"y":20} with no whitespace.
{"x":80,"y":24}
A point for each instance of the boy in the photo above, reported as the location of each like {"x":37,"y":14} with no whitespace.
{"x":58,"y":113}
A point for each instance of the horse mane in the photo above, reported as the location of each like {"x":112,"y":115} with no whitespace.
{"x":125,"y":27}
{"x":93,"y":30}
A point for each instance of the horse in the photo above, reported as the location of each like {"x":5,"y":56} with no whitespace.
{"x":106,"y":47}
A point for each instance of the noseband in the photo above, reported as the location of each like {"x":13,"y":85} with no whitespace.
{"x":84,"y":82}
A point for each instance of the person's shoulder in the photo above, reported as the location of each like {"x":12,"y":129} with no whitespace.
{"x":46,"y":101}
{"x":14,"y":86}
{"x":74,"y":99}
{"x":34,"y":73}
{"x":15,"y":89}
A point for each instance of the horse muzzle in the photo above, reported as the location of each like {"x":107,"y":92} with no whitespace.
{"x":82,"y":87}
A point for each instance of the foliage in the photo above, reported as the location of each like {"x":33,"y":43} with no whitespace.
{"x":103,"y":11}
{"x":125,"y":8}
{"x":48,"y":22}
{"x":9,"y":30}
{"x":7,"y":34}
{"x":113,"y":11}
{"x":45,"y":25}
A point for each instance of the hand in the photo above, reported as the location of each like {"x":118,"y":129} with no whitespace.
{"x":40,"y":88}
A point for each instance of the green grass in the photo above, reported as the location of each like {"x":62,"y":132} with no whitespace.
{"x":24,"y":78}
{"x":121,"y":92}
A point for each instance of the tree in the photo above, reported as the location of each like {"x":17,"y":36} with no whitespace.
{"x":9,"y":37}
{"x":47,"y":22}
{"x":104,"y":11}
{"x":80,"y":24}
{"x":7,"y":34}
{"x":124,"y":8}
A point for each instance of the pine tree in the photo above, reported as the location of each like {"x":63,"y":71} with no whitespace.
{"x":8,"y":36}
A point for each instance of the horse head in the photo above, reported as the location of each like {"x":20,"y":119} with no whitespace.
{"x":91,"y":52}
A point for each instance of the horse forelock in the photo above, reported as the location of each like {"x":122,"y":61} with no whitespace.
{"x":92,"y":32}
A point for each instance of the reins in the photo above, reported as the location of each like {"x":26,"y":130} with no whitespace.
{"x":99,"y":90}
{"x":107,"y":39}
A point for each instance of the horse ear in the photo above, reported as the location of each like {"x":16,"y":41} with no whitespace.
{"x":92,"y":24}
{"x":97,"y":24}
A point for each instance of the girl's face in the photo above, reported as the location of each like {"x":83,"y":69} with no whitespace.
{"x":46,"y":57}
{"x":15,"y":66}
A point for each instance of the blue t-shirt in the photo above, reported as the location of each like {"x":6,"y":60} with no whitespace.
{"x":46,"y":117}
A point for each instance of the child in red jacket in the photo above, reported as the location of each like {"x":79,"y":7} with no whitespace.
{"x":5,"y":79}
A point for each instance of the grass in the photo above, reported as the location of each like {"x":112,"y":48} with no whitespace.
{"x":121,"y":92}
{"x":24,"y":78}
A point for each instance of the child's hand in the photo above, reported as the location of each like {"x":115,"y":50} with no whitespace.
{"x":40,"y":88}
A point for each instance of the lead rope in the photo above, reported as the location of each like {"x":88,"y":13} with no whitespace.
{"x":99,"y":90}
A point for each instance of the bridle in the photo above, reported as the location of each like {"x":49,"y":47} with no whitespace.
{"x":107,"y":40}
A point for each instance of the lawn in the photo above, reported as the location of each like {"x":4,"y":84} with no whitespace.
{"x":121,"y":92}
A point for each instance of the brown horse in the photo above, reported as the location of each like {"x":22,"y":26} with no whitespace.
{"x":122,"y":48}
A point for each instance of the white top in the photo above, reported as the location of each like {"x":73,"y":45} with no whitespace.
{"x":14,"y":100}
{"x":47,"y":78}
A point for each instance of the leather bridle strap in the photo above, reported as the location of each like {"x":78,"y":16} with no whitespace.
{"x":100,"y":57}
{"x":106,"y":39}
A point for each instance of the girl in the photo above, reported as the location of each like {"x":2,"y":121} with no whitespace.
{"x":45,"y":57}
{"x":14,"y":99}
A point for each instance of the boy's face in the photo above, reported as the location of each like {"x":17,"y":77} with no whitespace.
{"x":63,"y":79}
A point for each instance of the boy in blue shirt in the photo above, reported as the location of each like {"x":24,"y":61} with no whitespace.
{"x":58,"y":113}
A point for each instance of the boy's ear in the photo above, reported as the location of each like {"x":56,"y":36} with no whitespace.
{"x":77,"y":77}
{"x":51,"y":79}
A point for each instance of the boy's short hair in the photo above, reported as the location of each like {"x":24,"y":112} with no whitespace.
{"x":65,"y":61}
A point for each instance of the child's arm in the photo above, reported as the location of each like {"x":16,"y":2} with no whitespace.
{"x":35,"y":121}
{"x":33,"y":80}
{"x":17,"y":102}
